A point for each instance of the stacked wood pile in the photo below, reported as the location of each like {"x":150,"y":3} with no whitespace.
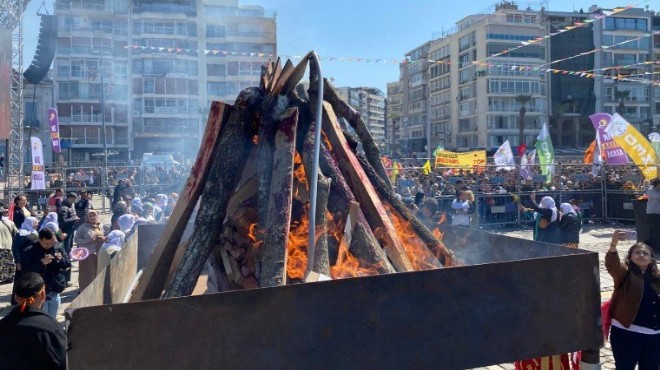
{"x":252,"y":179}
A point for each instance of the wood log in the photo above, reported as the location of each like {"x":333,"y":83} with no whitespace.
{"x":446,"y":257}
{"x":247,"y":191}
{"x":364,"y":245}
{"x":296,"y":75}
{"x":319,"y":255}
{"x":364,"y":191}
{"x":342,"y":109}
{"x":234,"y":146}
{"x":351,"y":219}
{"x":273,"y":255}
{"x":153,"y":279}
{"x":217,"y":275}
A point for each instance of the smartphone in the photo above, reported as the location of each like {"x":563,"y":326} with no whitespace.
{"x":631,"y":235}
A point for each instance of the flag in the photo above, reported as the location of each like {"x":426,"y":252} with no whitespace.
{"x":609,"y":149}
{"x":38,"y":177}
{"x":634,"y":144}
{"x":54,"y":128}
{"x":531,"y":157}
{"x":589,"y":153}
{"x":395,"y":171}
{"x":546,"y":153}
{"x":521,"y":149}
{"x":597,"y":161}
{"x":427,"y":167}
{"x":387,"y":163}
{"x":503,"y":157}
{"x":525,"y":172}
{"x":438,"y":149}
{"x":654,"y":138}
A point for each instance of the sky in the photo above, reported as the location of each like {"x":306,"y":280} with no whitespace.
{"x":383,"y":29}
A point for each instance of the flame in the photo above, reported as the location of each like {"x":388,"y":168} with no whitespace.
{"x":436,"y":230}
{"x":252,"y":233}
{"x":419,"y":254}
{"x":346,"y":265}
{"x":326,"y":141}
{"x":299,"y":172}
{"x":255,"y":139}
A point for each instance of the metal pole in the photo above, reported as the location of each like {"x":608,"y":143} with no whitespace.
{"x":315,"y":169}
{"x":104,"y":175}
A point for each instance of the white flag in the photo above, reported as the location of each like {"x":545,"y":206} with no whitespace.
{"x":504,"y":157}
{"x":38,"y":177}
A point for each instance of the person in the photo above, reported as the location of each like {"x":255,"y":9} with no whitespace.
{"x":55,"y":201}
{"x":7,"y":232}
{"x":21,"y":210}
{"x":462,"y":208}
{"x":89,"y":235}
{"x":428,"y":213}
{"x":83,"y":205}
{"x":546,"y":215}
{"x":68,"y":220}
{"x":635,"y":306}
{"x":50,"y":217}
{"x":126,"y":223}
{"x":111,"y":247}
{"x":171,"y":203}
{"x":27,"y":235}
{"x":569,"y":226}
{"x":48,"y":259}
{"x":30,"y":338}
{"x":653,"y":214}
{"x":116,"y":194}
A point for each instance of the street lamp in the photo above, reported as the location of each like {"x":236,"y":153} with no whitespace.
{"x":104,"y":176}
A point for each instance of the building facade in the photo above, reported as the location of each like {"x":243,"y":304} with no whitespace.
{"x":144,"y":71}
{"x":465,"y":90}
{"x":369,"y":102}
{"x":394,"y":107}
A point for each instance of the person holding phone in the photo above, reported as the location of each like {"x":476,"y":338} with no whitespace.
{"x":46,"y":258}
{"x":635,"y":307}
{"x":653,"y":214}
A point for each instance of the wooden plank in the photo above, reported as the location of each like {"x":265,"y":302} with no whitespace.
{"x":276,"y":226}
{"x":364,"y":191}
{"x":284,"y":76}
{"x":153,"y":278}
{"x":296,"y":75}
{"x":248,"y":190}
{"x":351,"y":219}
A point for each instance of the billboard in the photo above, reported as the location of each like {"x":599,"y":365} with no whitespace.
{"x":5,"y":83}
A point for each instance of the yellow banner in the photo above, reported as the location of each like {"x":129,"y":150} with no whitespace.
{"x":467,"y":160}
{"x":634,"y":144}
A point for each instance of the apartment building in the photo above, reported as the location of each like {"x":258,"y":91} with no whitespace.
{"x":466,"y":89}
{"x":625,"y":41}
{"x":146,"y":70}
{"x":369,"y":102}
{"x":394,"y":107}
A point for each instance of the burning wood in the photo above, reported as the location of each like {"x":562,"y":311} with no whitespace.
{"x":254,"y":213}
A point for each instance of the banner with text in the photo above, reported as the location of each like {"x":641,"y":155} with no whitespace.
{"x":467,"y":160}
{"x":54,"y":129}
{"x":38,"y":177}
{"x":634,"y":144}
{"x":609,"y":149}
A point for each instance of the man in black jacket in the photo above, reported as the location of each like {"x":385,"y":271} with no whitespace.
{"x":29,"y":338}
{"x":83,"y":205}
{"x":47,"y":258}
{"x":68,"y":221}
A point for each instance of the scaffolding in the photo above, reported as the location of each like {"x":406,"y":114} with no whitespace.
{"x":11,"y":17}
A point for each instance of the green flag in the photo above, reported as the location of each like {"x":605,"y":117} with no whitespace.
{"x":439,"y":148}
{"x":546,"y":153}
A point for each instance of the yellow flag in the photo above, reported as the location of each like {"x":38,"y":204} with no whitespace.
{"x":634,"y":144}
{"x":395,"y":171}
{"x":427,"y":167}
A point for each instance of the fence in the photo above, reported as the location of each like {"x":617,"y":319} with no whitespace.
{"x":607,"y":195}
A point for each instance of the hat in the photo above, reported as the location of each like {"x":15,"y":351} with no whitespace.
{"x":72,"y":194}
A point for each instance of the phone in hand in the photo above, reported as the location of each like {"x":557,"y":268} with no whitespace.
{"x":631,"y":235}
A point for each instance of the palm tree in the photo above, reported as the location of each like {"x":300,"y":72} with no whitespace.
{"x":522,"y":100}
{"x":621,"y":96}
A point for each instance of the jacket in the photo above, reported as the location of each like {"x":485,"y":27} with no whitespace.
{"x":31,"y":340}
{"x":67,"y":218}
{"x":7,"y":233}
{"x":628,"y":288}
{"x":89,"y":236}
{"x":53,"y":273}
{"x":569,"y":225}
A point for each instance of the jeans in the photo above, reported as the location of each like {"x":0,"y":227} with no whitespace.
{"x":52,"y":305}
{"x":630,"y":348}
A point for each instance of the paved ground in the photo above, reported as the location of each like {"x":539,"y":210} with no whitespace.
{"x":594,"y":238}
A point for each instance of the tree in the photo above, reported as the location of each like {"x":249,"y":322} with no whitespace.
{"x":522,"y":100}
{"x":621,"y":96}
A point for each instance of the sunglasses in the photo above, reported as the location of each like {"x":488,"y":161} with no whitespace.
{"x":641,"y":253}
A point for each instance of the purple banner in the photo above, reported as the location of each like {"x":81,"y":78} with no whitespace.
{"x":54,"y":130}
{"x":611,"y":152}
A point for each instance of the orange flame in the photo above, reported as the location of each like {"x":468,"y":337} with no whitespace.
{"x":436,"y":230}
{"x":419,"y":254}
{"x":299,"y":171}
{"x":326,"y":141}
{"x":296,"y":249}
{"x":346,"y":265}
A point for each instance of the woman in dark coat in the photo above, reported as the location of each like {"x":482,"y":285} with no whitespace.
{"x":569,"y":226}
{"x":546,"y":220}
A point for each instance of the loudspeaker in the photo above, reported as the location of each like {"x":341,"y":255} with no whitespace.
{"x":45,"y":50}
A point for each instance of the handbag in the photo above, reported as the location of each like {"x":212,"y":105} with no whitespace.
{"x":606,"y":317}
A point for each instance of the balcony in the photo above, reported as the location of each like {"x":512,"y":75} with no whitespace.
{"x":80,"y":119}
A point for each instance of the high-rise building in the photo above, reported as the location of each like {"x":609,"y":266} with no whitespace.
{"x":148,"y":69}
{"x":369,"y":102}
{"x":394,"y":109}
{"x":466,"y":89}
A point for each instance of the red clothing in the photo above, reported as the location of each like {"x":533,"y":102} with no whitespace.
{"x":557,"y":362}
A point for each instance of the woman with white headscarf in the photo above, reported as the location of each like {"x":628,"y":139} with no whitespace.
{"x":546,"y":220}
{"x":569,"y":226}
{"x":111,"y":247}
{"x":126,"y":223}
{"x":50,"y":217}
